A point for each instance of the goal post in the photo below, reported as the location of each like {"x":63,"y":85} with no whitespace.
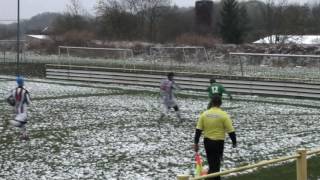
{"x":94,"y":52}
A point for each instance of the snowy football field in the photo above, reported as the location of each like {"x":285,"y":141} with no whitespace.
{"x":113,"y":133}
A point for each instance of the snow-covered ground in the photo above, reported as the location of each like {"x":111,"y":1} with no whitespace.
{"x":104,"y":133}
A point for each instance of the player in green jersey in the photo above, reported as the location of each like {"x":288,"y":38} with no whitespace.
{"x":216,"y":88}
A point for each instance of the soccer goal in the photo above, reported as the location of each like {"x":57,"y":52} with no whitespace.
{"x":179,"y":54}
{"x":275,"y":65}
{"x":8,"y":50}
{"x":92,"y":52}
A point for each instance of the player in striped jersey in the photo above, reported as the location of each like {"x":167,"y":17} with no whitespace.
{"x":21,"y":98}
{"x":167,"y":88}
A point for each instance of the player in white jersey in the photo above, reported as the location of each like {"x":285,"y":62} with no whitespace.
{"x":167,"y":96}
{"x":19,"y":98}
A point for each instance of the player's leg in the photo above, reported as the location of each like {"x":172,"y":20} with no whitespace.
{"x":214,"y":152}
{"x":24,"y":135}
{"x":175,"y":106}
{"x":20,"y":121}
{"x":176,"y":109}
{"x":164,"y":111}
{"x":164,"y":108}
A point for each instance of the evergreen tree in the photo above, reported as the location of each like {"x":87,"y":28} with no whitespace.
{"x":233,"y":22}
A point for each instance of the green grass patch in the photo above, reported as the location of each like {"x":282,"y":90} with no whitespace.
{"x":282,"y":172}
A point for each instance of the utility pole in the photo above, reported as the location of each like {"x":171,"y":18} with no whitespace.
{"x":18,"y":39}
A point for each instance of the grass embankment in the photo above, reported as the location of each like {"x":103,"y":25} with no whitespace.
{"x":282,"y":172}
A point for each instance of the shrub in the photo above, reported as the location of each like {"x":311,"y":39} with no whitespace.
{"x":207,"y":41}
{"x":77,"y":38}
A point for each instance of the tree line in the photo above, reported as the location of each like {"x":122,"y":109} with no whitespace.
{"x":162,"y":22}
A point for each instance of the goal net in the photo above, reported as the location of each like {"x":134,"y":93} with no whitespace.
{"x":274,"y":65}
{"x":92,"y":52}
{"x":8,"y":50}
{"x":183,"y":54}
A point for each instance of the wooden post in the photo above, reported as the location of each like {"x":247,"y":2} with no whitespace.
{"x":302,"y":164}
{"x":183,"y":177}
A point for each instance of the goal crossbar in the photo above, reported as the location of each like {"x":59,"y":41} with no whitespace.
{"x":179,"y":47}
{"x":183,"y":48}
{"x":11,"y":40}
{"x":93,"y":48}
{"x":274,"y":55}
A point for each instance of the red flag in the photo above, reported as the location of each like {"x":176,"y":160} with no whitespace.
{"x":198,"y":169}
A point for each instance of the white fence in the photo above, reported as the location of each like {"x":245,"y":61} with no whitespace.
{"x":191,"y":81}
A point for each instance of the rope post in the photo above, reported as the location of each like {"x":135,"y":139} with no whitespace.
{"x":302,"y":164}
{"x":230,"y":63}
{"x":241,"y":67}
{"x":4,"y":56}
{"x":183,"y":177}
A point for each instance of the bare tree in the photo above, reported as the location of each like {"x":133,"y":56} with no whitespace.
{"x":274,"y":18}
{"x":75,"y":8}
{"x":74,"y":25}
{"x":315,"y":15}
{"x":150,"y":12}
{"x":100,"y":7}
{"x":143,"y":5}
{"x":297,"y":18}
{"x":115,"y":21}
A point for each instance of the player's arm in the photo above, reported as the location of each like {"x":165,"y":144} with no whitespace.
{"x":233,"y":138}
{"x":230,"y":130}
{"x":229,"y":95}
{"x":226,"y":92}
{"x":209,"y":92}
{"x":9,"y":94}
{"x":196,"y":139}
{"x":28,"y":98}
{"x":176,"y":86}
{"x":10,"y":98}
{"x":198,"y":133}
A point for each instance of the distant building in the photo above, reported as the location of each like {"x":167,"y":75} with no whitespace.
{"x":38,"y":42}
{"x":290,"y":39}
{"x":203,"y":16}
{"x":37,"y":38}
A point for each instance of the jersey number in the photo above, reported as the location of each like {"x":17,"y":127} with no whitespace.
{"x":215,"y":89}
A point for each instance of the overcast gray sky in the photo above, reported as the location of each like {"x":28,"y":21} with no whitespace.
{"x":29,"y":8}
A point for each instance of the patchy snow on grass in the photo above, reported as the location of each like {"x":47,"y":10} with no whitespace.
{"x":43,"y":89}
{"x":118,"y":135}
